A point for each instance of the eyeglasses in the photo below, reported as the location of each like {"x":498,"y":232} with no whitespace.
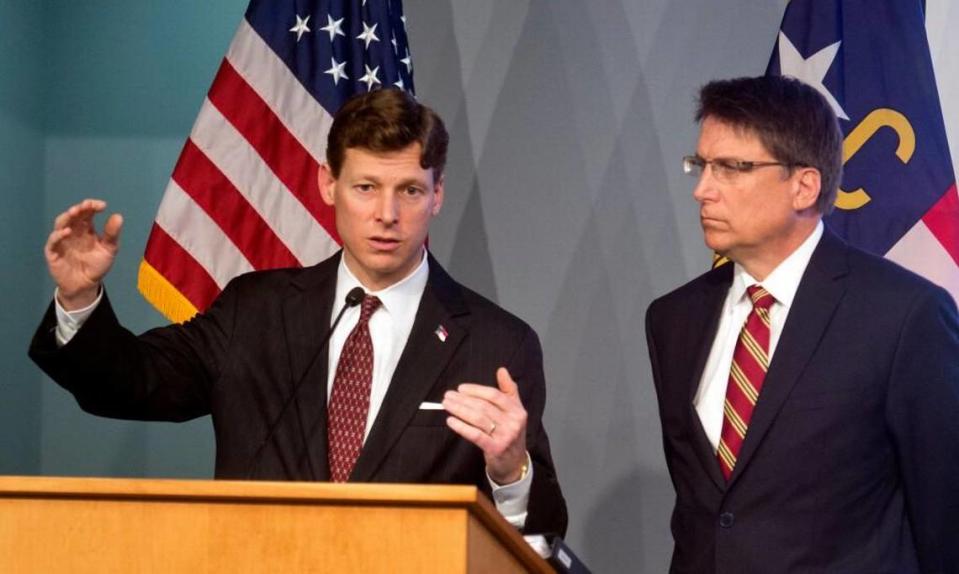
{"x":727,"y":169}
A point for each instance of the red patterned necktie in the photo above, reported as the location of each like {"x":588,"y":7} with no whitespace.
{"x":350,"y":399}
{"x":746,"y":375}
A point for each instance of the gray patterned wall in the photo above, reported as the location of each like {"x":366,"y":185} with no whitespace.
{"x":566,"y":203}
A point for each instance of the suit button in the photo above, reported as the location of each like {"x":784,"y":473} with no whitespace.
{"x":727,"y":519}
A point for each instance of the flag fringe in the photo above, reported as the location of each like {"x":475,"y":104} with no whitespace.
{"x":163,"y":295}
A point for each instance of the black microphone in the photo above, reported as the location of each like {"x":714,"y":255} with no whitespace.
{"x":353,"y":298}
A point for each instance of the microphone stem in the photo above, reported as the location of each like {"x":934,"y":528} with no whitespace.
{"x":353,"y":298}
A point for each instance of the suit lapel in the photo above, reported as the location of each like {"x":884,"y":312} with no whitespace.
{"x":306,"y":316}
{"x":820,"y":291}
{"x":705,"y":314}
{"x":424,"y":358}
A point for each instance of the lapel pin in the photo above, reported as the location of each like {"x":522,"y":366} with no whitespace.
{"x":441,"y":333}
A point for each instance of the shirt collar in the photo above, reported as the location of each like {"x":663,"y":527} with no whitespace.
{"x":399,"y":298}
{"x":784,"y":280}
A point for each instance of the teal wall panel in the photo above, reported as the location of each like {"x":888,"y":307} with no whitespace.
{"x":21,"y":215}
{"x":96,"y":99}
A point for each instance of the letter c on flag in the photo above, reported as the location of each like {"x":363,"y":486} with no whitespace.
{"x":878,"y":118}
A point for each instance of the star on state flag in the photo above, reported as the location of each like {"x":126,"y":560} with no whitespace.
{"x":871,"y":61}
{"x":243,"y":195}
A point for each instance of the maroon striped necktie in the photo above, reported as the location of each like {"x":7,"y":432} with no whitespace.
{"x":350,"y":399}
{"x":746,"y":375}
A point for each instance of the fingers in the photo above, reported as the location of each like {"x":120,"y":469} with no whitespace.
{"x":78,"y":221}
{"x":492,"y":418}
{"x":51,"y":249}
{"x":77,"y":257}
{"x":111,"y":230}
{"x":483,"y":406}
{"x":505,"y":382}
{"x":86,"y":209}
{"x":505,"y":395}
{"x":470,"y":433}
{"x":489,"y":411}
{"x":485,"y":394}
{"x":478,"y":413}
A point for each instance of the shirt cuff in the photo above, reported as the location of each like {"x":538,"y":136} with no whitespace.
{"x":512,"y":500}
{"x":69,"y":322}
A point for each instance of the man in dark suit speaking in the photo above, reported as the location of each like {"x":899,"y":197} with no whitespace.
{"x":422,"y":380}
{"x":808,"y":391}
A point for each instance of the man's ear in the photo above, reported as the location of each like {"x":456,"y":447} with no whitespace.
{"x":326,"y":182}
{"x":808,"y":188}
{"x":439,"y":192}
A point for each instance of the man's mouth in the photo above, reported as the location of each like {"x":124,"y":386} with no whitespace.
{"x":384,"y":243}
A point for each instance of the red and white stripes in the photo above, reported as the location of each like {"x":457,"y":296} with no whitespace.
{"x":243,"y":195}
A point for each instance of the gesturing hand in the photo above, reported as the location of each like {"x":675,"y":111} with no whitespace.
{"x":494,"y":420}
{"x":77,"y":257}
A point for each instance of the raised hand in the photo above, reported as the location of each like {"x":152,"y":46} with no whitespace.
{"x":493,"y":419}
{"x":77,"y":257}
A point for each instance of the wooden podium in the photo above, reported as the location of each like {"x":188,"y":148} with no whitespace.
{"x":133,"y":525}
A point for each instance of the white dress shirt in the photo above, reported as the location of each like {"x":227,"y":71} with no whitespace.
{"x":782,"y":284}
{"x":69,"y":322}
{"x":390,"y":328}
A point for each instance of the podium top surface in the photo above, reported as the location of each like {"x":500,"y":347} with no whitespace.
{"x":412,"y":494}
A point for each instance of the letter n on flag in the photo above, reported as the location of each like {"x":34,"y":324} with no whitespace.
{"x":871,"y":60}
{"x":243,"y":195}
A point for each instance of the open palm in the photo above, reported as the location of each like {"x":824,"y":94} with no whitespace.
{"x":77,"y":257}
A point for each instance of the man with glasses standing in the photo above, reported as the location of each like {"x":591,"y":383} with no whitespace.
{"x":808,"y":391}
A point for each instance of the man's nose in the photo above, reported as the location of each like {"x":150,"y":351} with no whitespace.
{"x":705,"y":185}
{"x":386,"y":210}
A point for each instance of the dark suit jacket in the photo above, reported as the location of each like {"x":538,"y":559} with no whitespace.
{"x":851,"y":461}
{"x":240,"y":360}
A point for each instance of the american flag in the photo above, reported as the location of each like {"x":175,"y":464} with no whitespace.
{"x":871,"y":61}
{"x":243,"y":195}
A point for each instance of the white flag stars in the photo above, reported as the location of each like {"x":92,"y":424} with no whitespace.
{"x":811,"y":70}
{"x":381,"y":58}
{"x":368,"y":35}
{"x":336,"y":70}
{"x":333,"y":27}
{"x":300,"y":28}
{"x":370,"y":78}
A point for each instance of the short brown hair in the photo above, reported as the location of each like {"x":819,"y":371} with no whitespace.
{"x":793,"y":121}
{"x":385,"y":121}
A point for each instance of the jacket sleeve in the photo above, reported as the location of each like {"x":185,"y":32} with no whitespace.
{"x":164,"y":374}
{"x":546,"y":512}
{"x":922,"y":411}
